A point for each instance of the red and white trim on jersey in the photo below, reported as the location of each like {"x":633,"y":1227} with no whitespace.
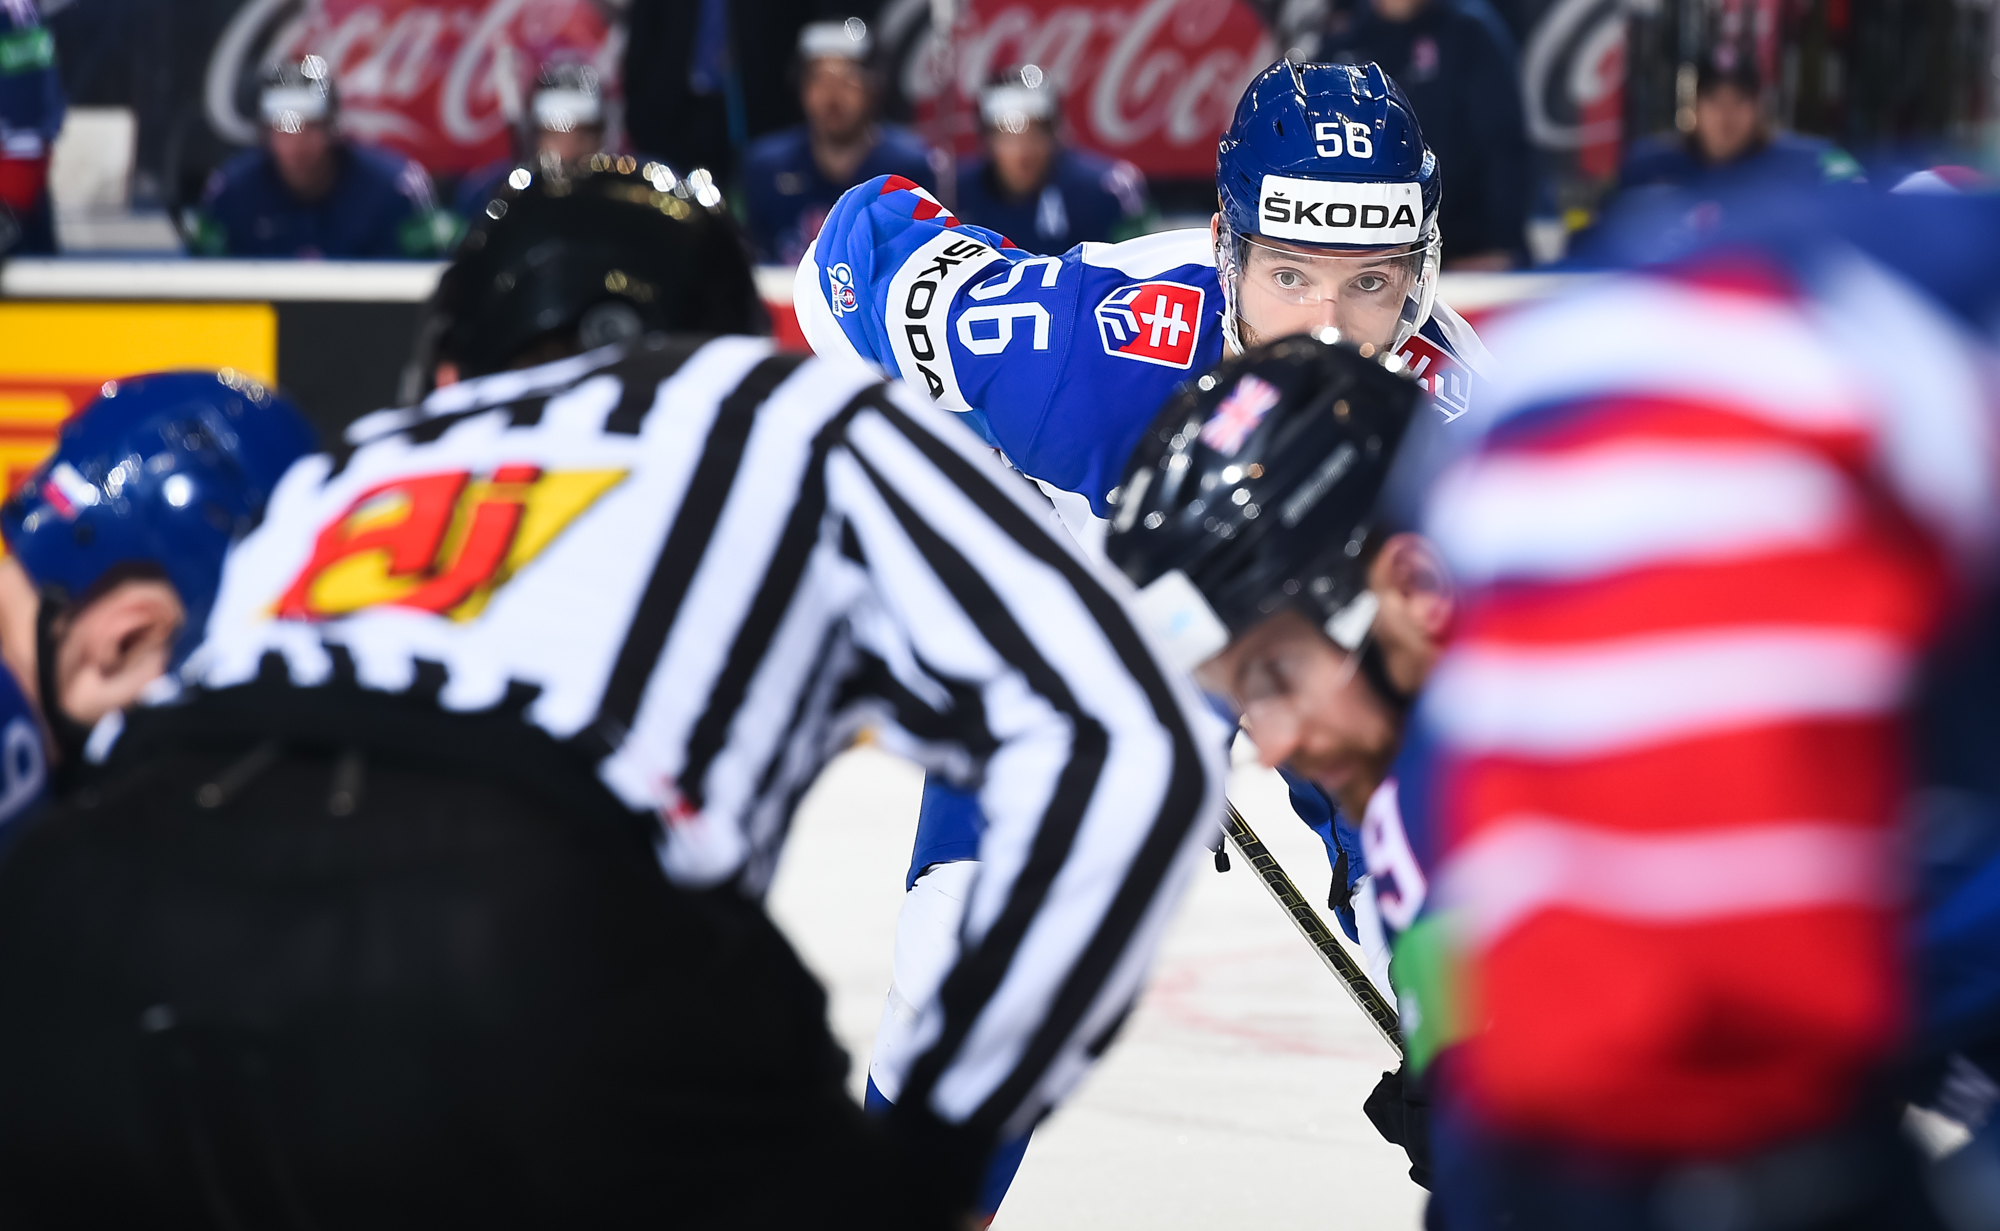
{"x":1446,"y":357}
{"x":1701,"y":566}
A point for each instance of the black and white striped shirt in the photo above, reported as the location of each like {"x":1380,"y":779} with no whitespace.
{"x":709,"y":564}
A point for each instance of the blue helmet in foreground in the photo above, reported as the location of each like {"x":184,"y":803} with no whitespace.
{"x":1329,"y":158}
{"x":162,"y":472}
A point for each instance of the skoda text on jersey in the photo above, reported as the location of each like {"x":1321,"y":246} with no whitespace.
{"x":708,"y":564}
{"x":1060,"y":362}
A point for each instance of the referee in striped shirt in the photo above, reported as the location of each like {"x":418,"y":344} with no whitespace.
{"x":428,"y":893}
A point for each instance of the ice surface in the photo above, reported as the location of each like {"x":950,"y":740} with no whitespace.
{"x":1235,"y":1090}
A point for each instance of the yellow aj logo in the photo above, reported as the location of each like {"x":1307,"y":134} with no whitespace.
{"x":441,"y":542}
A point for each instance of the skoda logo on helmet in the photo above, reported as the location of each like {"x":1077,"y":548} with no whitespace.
{"x":1339,"y":212}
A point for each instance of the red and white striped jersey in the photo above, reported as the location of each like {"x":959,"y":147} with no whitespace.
{"x":1713,"y":526}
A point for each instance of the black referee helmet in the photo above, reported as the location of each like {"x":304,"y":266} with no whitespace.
{"x":566,"y":260}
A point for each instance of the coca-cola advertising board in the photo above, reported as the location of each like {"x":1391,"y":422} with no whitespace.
{"x":438,"y":80}
{"x":1150,"y":81}
{"x":1573,"y":74}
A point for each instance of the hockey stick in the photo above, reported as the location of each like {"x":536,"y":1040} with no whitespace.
{"x":1312,"y":927}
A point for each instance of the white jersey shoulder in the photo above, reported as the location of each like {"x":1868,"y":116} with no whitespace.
{"x":1151,"y":255}
{"x":1464,"y":343}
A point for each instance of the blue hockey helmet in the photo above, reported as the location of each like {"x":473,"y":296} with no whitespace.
{"x":162,"y":472}
{"x":1328,"y":161}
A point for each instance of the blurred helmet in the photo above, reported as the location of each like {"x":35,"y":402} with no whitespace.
{"x":1328,"y":159}
{"x":1017,"y":98}
{"x":567,"y":97}
{"x":296,"y":94}
{"x":840,"y":40}
{"x":1729,"y":64}
{"x":607,"y":251}
{"x":158,"y":476}
{"x":1254,"y":489}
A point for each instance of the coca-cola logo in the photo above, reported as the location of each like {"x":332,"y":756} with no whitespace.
{"x":1152,"y":81}
{"x":439,"y":80}
{"x":1573,"y":79}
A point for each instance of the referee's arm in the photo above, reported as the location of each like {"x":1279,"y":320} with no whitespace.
{"x":1102,"y":772}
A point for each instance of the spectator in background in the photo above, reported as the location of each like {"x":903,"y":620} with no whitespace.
{"x":1456,"y":62}
{"x":564,"y":125}
{"x":1733,"y":139}
{"x":792,"y":178}
{"x":1033,"y":189}
{"x":307,"y":192}
{"x":31,"y":114}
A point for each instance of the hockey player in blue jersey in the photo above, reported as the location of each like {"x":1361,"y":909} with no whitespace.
{"x":1328,"y":222}
{"x":114,"y":552}
{"x":307,"y":192}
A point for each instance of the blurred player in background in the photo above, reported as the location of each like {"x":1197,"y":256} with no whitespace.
{"x":309,"y":192}
{"x":1328,"y":225}
{"x":1034,"y":189}
{"x":1684,"y":573}
{"x":31,"y":114}
{"x":791,"y":179}
{"x":1734,"y":142}
{"x":563,"y":125}
{"x":432,"y":897}
{"x":114,"y":552}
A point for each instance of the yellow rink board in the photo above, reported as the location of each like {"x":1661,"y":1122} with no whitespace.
{"x":55,"y":356}
{"x":83,"y":340}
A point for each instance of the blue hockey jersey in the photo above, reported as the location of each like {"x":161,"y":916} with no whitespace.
{"x":1060,"y":362}
{"x":24,"y":776}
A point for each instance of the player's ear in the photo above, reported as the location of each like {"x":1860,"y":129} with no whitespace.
{"x":114,"y":647}
{"x":1411,"y":574}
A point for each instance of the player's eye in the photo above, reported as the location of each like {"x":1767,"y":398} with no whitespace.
{"x":1369,"y":284}
{"x":1288,"y":279}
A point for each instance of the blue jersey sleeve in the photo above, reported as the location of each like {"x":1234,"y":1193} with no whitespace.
{"x":24,"y":777}
{"x":1343,"y":847}
{"x":1059,"y":361}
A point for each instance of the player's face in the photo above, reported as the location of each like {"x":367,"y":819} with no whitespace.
{"x":1303,"y":707}
{"x":303,"y":154}
{"x":834,"y":96}
{"x":1021,"y":156}
{"x":1726,"y":123}
{"x":568,"y":146}
{"x":106,"y":652}
{"x":1285,"y":289}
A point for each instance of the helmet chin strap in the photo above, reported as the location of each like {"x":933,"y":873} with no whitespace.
{"x":1375,"y":669}
{"x":69,"y":735}
{"x":1226,"y":269}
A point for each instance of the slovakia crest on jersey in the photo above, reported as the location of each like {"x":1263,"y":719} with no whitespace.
{"x":1153,"y":322}
{"x":1440,"y":375}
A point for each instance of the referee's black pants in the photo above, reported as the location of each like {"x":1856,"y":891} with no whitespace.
{"x":259,"y":987}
